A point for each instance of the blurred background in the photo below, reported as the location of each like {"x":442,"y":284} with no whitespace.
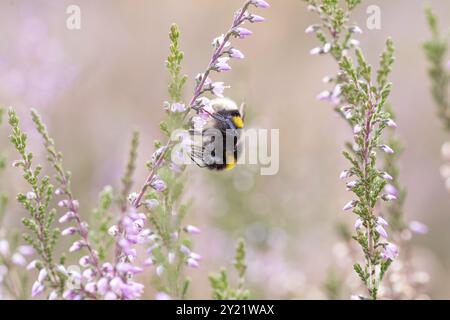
{"x":95,"y":85}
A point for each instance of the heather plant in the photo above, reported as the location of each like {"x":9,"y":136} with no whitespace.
{"x":436,"y":51}
{"x":150,"y":220}
{"x":360,"y":96}
{"x":220,"y":282}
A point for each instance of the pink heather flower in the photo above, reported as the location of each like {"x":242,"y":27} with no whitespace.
{"x":110,"y":296}
{"x":185,"y":250}
{"x":235,"y":53}
{"x":75,"y":204}
{"x":381,"y":221}
{"x":4,"y":248}
{"x":358,"y":224}
{"x":171,"y":257}
{"x":151,"y":204}
{"x":254,"y":18}
{"x":91,"y":287}
{"x":63,"y":203}
{"x":32,"y":265}
{"x":390,"y":189}
{"x":158,"y":184}
{"x":386,"y":149}
{"x":37,"y":289}
{"x":42,"y":275}
{"x":381,"y":231}
{"x":222,"y":64}
{"x":178,"y":107}
{"x":350,"y":205}
{"x":195,"y":256}
{"x":192,"y":263}
{"x":128,"y":268}
{"x":148,"y":262}
{"x":390,"y":251}
{"x":218,"y":88}
{"x":386,"y":176}
{"x":388,"y":197}
{"x":102,"y":285}
{"x":18,"y":259}
{"x":192,"y":229}
{"x":76,"y":246}
{"x":88,"y":274}
{"x":418,"y":227}
{"x":85,"y":261}
{"x":448,"y":65}
{"x":261,"y":4}
{"x":58,"y":192}
{"x":69,"y":231}
{"x":25,"y":250}
{"x":67,"y":217}
{"x":113,"y":231}
{"x":390,"y":123}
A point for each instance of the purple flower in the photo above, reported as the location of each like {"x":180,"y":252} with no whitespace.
{"x":42,"y":275}
{"x":345,"y":174}
{"x":383,"y":222}
{"x":381,"y":231}
{"x":242,"y":32}
{"x":235,"y":53}
{"x":390,"y":189}
{"x":37,"y":289}
{"x":386,"y":176}
{"x":192,"y":263}
{"x":158,"y":184}
{"x":162,"y":296}
{"x":4,"y":248}
{"x":254,"y":18}
{"x":390,"y":123}
{"x":25,"y":250}
{"x":357,"y":129}
{"x":324,"y":95}
{"x":31,"y":195}
{"x":388,"y":197}
{"x":77,"y":245}
{"x":67,"y":217}
{"x":418,"y":227}
{"x":69,"y":231}
{"x":390,"y":251}
{"x":351,"y":185}
{"x":53,"y":295}
{"x":312,"y":28}
{"x":222,"y":64}
{"x":261,"y":4}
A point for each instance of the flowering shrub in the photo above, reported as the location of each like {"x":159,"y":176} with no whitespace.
{"x":150,"y":219}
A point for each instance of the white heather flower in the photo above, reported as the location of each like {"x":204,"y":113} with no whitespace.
{"x":185,"y":250}
{"x":391,"y":123}
{"x":217,"y":42}
{"x":159,"y":271}
{"x":53,"y":295}
{"x":324,"y":95}
{"x":418,"y":227}
{"x":132,"y":197}
{"x":354,"y":42}
{"x":327,"y":79}
{"x":345,"y":174}
{"x":218,"y":88}
{"x":358,"y":224}
{"x":387,"y":149}
{"x":235,"y":53}
{"x":390,"y":251}
{"x":31,"y":195}
{"x":192,"y":229}
{"x":171,"y":257}
{"x":381,"y":221}
{"x":110,"y":296}
{"x":113,"y":230}
{"x":32,"y":265}
{"x":327,"y":47}
{"x":445,"y":150}
{"x":357,"y":129}
{"x":195,"y":256}
{"x":76,"y":246}
{"x":178,"y":107}
{"x":351,"y":185}
{"x":381,"y":231}
{"x":63,"y":203}
{"x":388,"y":197}
{"x":355,"y":29}
{"x":350,"y":205}
{"x":18,"y":259}
{"x":162,"y":296}
{"x":312,"y":28}
{"x":25,"y":250}
{"x":151,"y":204}
{"x":316,"y":51}
{"x":261,"y":4}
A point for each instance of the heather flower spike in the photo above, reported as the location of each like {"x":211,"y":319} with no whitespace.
{"x":362,"y":105}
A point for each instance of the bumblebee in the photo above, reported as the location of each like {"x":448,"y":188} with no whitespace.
{"x":216,"y":144}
